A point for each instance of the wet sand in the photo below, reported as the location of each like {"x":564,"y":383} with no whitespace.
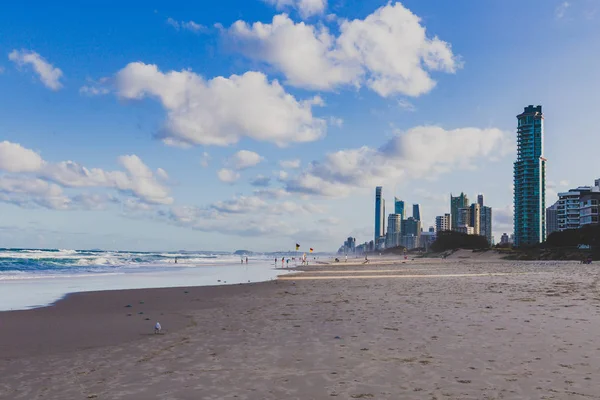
{"x":425,"y":329}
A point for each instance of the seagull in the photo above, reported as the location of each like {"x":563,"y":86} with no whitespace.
{"x":157,"y":328}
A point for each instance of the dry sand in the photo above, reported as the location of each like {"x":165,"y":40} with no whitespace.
{"x":425,"y":329}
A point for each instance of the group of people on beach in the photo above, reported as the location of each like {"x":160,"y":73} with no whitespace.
{"x":243,"y":260}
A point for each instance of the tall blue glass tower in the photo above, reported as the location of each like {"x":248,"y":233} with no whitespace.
{"x":417,"y":212}
{"x":530,"y":179}
{"x":379,"y":213}
{"x":399,"y":208}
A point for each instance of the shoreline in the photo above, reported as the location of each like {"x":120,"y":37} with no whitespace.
{"x":84,"y":320}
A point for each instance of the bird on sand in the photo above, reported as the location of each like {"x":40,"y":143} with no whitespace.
{"x":157,"y":328}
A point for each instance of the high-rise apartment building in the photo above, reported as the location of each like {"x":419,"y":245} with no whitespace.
{"x":379,"y":213}
{"x":530,"y":179}
{"x":486,"y":224}
{"x":443,"y":223}
{"x":399,"y":208}
{"x":464,"y":218}
{"x":475,"y":218}
{"x":393,"y":235}
{"x":457,"y":203}
{"x":552,"y":219}
{"x":568,"y":207}
{"x":417,"y":212}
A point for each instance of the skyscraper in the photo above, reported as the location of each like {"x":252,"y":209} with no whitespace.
{"x":530,"y":179}
{"x":486,"y":223}
{"x":417,"y":212}
{"x":379,"y":213}
{"x":399,"y":208}
{"x":480,"y":200}
{"x":475,"y":218}
{"x":393,"y":236}
{"x":457,"y":203}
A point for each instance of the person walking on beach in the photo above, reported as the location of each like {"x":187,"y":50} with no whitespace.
{"x":246,"y":260}
{"x":282,"y":260}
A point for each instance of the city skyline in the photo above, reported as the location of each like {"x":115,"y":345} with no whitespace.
{"x":111,"y":135}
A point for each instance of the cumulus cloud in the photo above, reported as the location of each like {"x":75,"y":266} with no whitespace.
{"x":389,"y":51}
{"x":29,"y":192}
{"x":228,"y":175}
{"x":421,"y":152}
{"x":306,"y":8}
{"x":48,"y":74}
{"x":287,"y":164}
{"x":186,"y":26}
{"x":137,"y":179}
{"x":244,"y":159}
{"x":16,"y":158}
{"x":223,"y":110}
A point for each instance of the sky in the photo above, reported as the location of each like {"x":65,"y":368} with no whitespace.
{"x":258,"y":124}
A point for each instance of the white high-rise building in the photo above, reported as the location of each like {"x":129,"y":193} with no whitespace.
{"x":443,"y":223}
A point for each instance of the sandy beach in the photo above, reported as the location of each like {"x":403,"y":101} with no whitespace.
{"x":460,"y":328}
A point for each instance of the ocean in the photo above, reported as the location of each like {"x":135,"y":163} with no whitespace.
{"x":32,"y":278}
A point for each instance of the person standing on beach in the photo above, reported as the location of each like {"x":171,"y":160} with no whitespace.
{"x":282,"y":259}
{"x":246,"y":260}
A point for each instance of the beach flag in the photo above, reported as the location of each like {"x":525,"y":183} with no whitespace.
{"x":297,"y":246}
{"x":311,"y":249}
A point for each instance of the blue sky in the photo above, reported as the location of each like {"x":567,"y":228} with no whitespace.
{"x":144,"y":125}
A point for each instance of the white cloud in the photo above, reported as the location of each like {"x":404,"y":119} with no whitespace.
{"x":421,"y":152}
{"x":187,"y":26}
{"x":162,"y":174}
{"x":29,"y":192}
{"x":223,"y":110}
{"x":306,"y":8}
{"x":389,"y":51}
{"x":244,"y":159}
{"x":137,"y":179}
{"x":287,"y":164}
{"x":228,"y":175}
{"x":48,"y":74}
{"x":16,"y":158}
{"x":261,"y":181}
{"x":561,"y":9}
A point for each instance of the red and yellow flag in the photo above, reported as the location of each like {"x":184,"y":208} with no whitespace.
{"x":311,"y":250}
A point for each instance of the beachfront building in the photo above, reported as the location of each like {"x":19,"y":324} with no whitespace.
{"x":411,"y":231}
{"x":552,"y":219}
{"x":379,"y":214}
{"x":393,"y":235}
{"x":417,"y":212}
{"x":464,"y":217}
{"x":427,"y":239}
{"x":486,"y":224}
{"x":504,"y":239}
{"x":589,"y":207}
{"x":465,"y":229}
{"x":443,"y":223}
{"x":475,"y":218}
{"x":568,"y":207}
{"x":456,"y":203}
{"x":399,"y":208}
{"x":530,"y":179}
